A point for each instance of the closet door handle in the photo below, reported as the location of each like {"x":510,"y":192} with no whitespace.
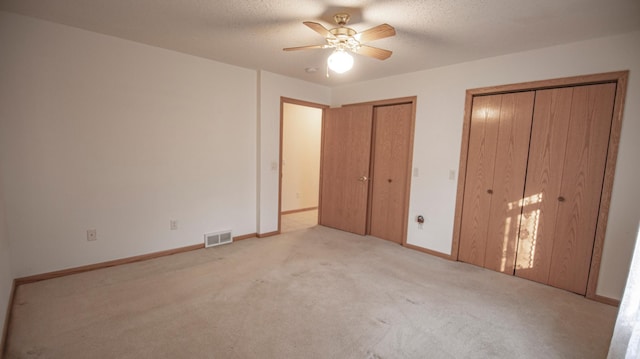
{"x":363,"y":179}
{"x":560,"y":199}
{"x":490,"y":191}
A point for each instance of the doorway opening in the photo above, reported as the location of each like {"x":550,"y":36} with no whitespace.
{"x":300,"y":145}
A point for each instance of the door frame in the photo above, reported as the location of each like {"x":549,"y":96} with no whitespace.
{"x":413,"y":100}
{"x":293,"y":101}
{"x":620,"y":78}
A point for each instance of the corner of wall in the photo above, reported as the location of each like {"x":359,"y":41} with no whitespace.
{"x":272,"y":88}
{"x":258,"y":146}
{"x":6,"y":276}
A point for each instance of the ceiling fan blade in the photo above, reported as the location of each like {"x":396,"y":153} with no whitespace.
{"x":304,"y":47}
{"x":319,"y":29}
{"x":380,"y":54}
{"x":375,"y":33}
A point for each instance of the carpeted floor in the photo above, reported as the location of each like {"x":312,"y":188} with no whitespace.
{"x":314,"y":293}
{"x":299,"y":220}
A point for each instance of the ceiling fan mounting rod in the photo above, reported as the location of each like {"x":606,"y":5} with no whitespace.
{"x":341,"y":18}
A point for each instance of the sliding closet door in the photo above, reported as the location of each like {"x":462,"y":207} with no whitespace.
{"x":496,"y":167}
{"x":391,"y":171}
{"x":346,"y":150}
{"x":569,"y":144}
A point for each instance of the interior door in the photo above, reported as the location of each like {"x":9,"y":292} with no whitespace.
{"x":569,"y":144}
{"x":496,"y":168}
{"x":346,"y":152}
{"x":391,"y":171}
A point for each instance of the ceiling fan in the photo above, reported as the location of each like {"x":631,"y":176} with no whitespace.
{"x":344,"y":39}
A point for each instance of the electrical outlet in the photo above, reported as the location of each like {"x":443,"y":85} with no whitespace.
{"x":92,"y":235}
{"x":173,"y":225}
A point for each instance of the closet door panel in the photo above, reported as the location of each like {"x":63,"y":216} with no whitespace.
{"x":483,"y":137}
{"x":346,"y":150}
{"x":391,"y":169}
{"x":515,"y":116}
{"x":580,"y":192}
{"x":544,"y":176}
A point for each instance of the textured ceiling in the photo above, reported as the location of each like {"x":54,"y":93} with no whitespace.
{"x":430,"y":33}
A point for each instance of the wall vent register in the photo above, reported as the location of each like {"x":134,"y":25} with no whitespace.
{"x":217,"y":238}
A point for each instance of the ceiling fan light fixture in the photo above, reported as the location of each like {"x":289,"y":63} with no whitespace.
{"x":340,"y":61}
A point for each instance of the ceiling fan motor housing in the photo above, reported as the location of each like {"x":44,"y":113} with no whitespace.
{"x":342,"y":32}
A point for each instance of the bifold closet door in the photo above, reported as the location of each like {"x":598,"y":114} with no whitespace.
{"x":494,"y":183}
{"x":346,"y":152}
{"x":391,"y":171}
{"x":567,"y":158}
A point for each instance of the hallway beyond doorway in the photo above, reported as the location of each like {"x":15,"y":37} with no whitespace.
{"x":299,"y":220}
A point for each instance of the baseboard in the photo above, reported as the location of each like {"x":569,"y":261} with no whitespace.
{"x":268,"y":234}
{"x":428,"y":251}
{"x":299,"y":210}
{"x":143,"y":257}
{"x":90,"y":267}
{"x":606,"y":300}
{"x":597,"y":298}
{"x":246,"y":236}
{"x":7,"y":320}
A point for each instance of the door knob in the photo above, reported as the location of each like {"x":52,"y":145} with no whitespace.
{"x":560,"y":199}
{"x":490,"y":191}
{"x":363,"y":179}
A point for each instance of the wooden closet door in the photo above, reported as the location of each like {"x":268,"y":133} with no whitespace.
{"x":496,"y":165}
{"x":483,"y":135}
{"x":540,"y":207}
{"x":391,"y":171}
{"x":510,"y":168}
{"x":569,"y":144}
{"x":346,"y":151}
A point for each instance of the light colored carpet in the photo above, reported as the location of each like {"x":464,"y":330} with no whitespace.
{"x":315,"y":293}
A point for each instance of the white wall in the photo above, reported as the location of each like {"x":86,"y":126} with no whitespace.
{"x":438,"y":133}
{"x":301,"y":132}
{"x":6,"y":277}
{"x":99,"y":132}
{"x":625,"y":342}
{"x":272,"y":87}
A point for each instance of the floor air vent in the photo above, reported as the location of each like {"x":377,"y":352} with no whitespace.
{"x":217,"y":238}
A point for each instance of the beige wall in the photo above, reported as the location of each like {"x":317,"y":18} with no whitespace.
{"x":300,"y":156}
{"x":101,"y":133}
{"x":438,"y":132}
